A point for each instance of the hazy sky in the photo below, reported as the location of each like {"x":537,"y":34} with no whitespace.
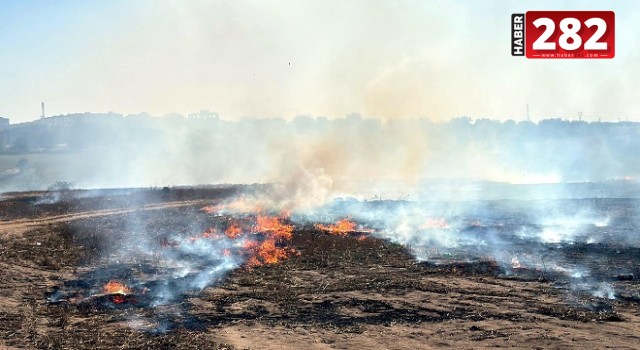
{"x":387,"y":59}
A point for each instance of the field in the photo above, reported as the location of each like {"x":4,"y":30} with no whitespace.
{"x":332,"y":291}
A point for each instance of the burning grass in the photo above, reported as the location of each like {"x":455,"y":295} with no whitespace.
{"x":341,"y":227}
{"x":296,"y":283}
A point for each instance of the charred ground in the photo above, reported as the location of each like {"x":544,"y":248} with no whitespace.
{"x":338,"y":292}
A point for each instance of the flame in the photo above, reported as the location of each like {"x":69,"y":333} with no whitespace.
{"x":269,"y":253}
{"x":266,"y":252}
{"x":341,"y":227}
{"x":274,"y":234}
{"x":266,"y":244}
{"x":253,"y":261}
{"x":118,"y":298}
{"x":272,"y":225}
{"x":435,"y":223}
{"x":115,"y":287}
{"x":233,"y":231}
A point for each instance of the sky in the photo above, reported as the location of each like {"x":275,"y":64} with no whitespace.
{"x":382,"y":59}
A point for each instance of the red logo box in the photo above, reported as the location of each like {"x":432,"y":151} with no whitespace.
{"x":569,"y":34}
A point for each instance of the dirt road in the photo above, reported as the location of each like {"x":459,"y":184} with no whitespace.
{"x":19,"y":226}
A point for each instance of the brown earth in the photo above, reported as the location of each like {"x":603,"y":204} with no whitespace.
{"x":339,"y":293}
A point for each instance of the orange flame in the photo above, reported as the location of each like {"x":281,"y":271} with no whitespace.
{"x":118,"y":298}
{"x":269,"y":253}
{"x":115,"y":287}
{"x":270,"y":250}
{"x":272,"y":225}
{"x":233,"y":231}
{"x":266,"y":245}
{"x":341,"y":227}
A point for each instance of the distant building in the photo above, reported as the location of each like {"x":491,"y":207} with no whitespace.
{"x":4,"y":123}
{"x":55,"y":121}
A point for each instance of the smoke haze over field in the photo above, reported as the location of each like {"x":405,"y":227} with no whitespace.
{"x":315,"y":157}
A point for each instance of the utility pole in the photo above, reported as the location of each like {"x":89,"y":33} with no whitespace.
{"x":528,"y":117}
{"x":42,"y":116}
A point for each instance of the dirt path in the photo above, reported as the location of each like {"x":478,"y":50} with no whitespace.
{"x":18,"y":226}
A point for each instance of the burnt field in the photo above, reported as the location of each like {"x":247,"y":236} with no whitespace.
{"x":153,"y":269}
